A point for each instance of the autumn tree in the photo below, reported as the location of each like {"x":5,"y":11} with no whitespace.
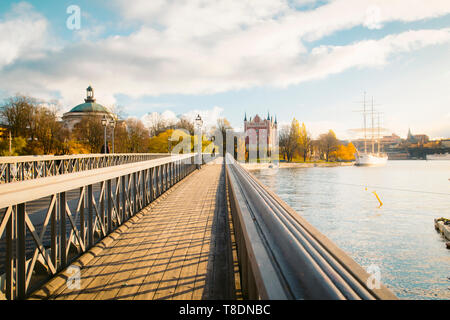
{"x":328,"y":143}
{"x":90,"y":132}
{"x":47,"y":129}
{"x":17,"y":112}
{"x":345,"y":153}
{"x":158,"y":124}
{"x":222,"y":126}
{"x":138,"y":136}
{"x":283,"y":137}
{"x":289,"y":137}
{"x":304,"y":142}
{"x":121,"y":138}
{"x":185,"y":124}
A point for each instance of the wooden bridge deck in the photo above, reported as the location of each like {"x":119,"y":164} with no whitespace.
{"x":179,"y":248}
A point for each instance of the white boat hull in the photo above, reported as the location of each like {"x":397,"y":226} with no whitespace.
{"x":369,"y":159}
{"x":437,"y":156}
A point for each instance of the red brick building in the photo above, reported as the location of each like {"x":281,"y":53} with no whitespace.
{"x":258,"y":130}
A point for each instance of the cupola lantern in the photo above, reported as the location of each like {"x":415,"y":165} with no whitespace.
{"x":89,"y":94}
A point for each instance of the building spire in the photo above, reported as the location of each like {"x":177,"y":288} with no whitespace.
{"x":245,"y":118}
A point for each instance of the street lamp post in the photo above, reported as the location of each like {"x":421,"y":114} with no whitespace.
{"x":169,"y":145}
{"x":10,"y":143}
{"x":112,"y":123}
{"x":104,"y":124}
{"x":198,"y":124}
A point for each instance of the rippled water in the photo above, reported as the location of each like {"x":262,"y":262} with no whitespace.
{"x":399,"y":237}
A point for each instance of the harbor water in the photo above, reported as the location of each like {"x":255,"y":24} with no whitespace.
{"x":397,"y":237}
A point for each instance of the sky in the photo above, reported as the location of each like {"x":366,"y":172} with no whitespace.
{"x":312,"y":60}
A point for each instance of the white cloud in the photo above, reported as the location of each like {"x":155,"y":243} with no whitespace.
{"x":23,"y":34}
{"x":197,"y":47}
{"x":373,"y":18}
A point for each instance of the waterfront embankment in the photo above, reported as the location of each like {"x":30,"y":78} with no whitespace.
{"x":256,"y":166}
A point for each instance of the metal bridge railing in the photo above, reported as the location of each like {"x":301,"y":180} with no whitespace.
{"x":31,"y":167}
{"x":282,"y":256}
{"x":47,"y":223}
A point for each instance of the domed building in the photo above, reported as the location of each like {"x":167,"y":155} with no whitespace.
{"x":87,"y":109}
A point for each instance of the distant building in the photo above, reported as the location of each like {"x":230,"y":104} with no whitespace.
{"x":391,"y":140}
{"x":445,"y":143}
{"x":86,"y":109}
{"x":264,"y":130}
{"x":417,"y":138}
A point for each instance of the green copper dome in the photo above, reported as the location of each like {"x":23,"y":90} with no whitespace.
{"x":89,"y":104}
{"x":89,"y":107}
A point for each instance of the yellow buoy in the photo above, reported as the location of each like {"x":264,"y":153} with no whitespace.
{"x":378,"y":198}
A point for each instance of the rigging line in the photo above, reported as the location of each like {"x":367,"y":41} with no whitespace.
{"x":379,"y":187}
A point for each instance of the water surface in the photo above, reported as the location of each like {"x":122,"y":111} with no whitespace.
{"x":399,"y":237}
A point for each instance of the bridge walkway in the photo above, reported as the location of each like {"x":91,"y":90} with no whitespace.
{"x":178,"y":247}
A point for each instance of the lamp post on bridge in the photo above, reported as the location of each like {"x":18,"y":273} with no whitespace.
{"x":104,"y":124}
{"x":198,"y":124}
{"x":112,"y":123}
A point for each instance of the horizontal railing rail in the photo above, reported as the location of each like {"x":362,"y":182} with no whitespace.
{"x":282,"y":256}
{"x":46,"y":223}
{"x":22,"y":168}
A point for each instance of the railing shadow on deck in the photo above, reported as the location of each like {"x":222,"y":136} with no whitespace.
{"x":68,"y":227}
{"x":220,"y":277}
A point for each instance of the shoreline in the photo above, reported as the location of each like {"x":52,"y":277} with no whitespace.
{"x":282,"y":165}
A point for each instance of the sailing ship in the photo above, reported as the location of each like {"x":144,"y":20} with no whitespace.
{"x":370,"y":158}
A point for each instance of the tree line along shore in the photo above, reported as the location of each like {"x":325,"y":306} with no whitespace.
{"x":32,"y":127}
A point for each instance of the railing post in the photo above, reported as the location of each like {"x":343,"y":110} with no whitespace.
{"x":169,"y":175}
{"x":144,"y":187}
{"x":8,"y":178}
{"x":175,"y":168}
{"x":166,"y":177}
{"x":101,"y":199}
{"x":82,"y":222}
{"x":9,"y":255}
{"x":151,"y":185}
{"x":62,"y":217}
{"x":109,"y":197}
{"x":124,"y":203}
{"x":90,"y":216}
{"x":134,"y":194}
{"x":118,"y":218}
{"x":45,"y":168}
{"x":54,"y":233}
{"x":157,"y":181}
{"x":21,"y":254}
{"x":180,"y":170}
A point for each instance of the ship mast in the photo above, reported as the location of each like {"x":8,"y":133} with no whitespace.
{"x":365,"y":135}
{"x":379,"y":136}
{"x":373,"y":142}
